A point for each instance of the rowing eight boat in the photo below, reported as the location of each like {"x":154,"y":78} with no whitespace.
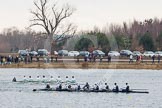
{"x":97,"y":91}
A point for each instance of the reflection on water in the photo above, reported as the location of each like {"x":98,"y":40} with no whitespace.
{"x":20,"y":95}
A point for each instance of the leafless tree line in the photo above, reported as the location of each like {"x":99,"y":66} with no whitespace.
{"x":131,"y":33}
{"x":127,"y":36}
{"x":12,"y":40}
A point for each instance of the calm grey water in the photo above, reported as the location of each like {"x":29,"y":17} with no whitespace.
{"x":20,"y":95}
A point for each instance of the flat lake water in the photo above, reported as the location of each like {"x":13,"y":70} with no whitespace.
{"x":20,"y":95}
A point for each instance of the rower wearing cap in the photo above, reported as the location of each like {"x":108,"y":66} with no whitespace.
{"x":116,"y":88}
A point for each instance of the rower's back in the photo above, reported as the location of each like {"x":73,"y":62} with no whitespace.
{"x":73,"y":80}
{"x":127,"y":87}
{"x":14,"y":79}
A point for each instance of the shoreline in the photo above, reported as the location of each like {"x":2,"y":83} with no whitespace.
{"x":85,"y":65}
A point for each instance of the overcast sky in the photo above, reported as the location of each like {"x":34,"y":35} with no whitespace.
{"x":89,"y":13}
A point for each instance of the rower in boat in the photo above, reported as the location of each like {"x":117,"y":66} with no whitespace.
{"x":14,"y":79}
{"x":38,"y":78}
{"x":24,"y":79}
{"x":59,"y":79}
{"x":78,"y":87}
{"x":126,"y":88}
{"x":69,"y":87}
{"x":96,"y":87}
{"x":48,"y":86}
{"x":86,"y":87}
{"x":116,"y":88}
{"x":30,"y":79}
{"x":67,"y":79}
{"x":106,"y":87}
{"x":60,"y":86}
{"x":73,"y":80}
{"x":44,"y":79}
{"x":51,"y":79}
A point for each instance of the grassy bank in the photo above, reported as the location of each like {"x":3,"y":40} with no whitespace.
{"x":83,"y":65}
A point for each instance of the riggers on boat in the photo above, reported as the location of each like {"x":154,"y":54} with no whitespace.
{"x":82,"y":90}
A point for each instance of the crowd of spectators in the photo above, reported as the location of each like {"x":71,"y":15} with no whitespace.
{"x":48,"y":59}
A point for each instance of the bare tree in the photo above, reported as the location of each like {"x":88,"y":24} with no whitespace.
{"x":52,"y":20}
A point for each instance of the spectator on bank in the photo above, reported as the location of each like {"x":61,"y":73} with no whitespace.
{"x":153,"y":59}
{"x":85,"y":58}
{"x":90,"y":57}
{"x":4,"y":60}
{"x":25,"y":59}
{"x":158,"y":58}
{"x":141,"y":58}
{"x":131,"y":58}
{"x":0,"y":60}
{"x":31,"y":59}
{"x":9,"y":59}
{"x":94,"y":58}
{"x":45,"y":60}
{"x":56,"y":58}
{"x":109,"y":58}
{"x":101,"y":57}
{"x":16,"y":59}
{"x":137,"y":58}
{"x":37,"y":58}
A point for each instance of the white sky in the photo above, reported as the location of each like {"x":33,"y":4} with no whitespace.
{"x":89,"y":13}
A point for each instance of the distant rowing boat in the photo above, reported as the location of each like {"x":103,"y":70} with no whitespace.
{"x":45,"y":81}
{"x":97,"y":91}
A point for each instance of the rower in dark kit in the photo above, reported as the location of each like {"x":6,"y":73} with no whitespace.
{"x":48,"y":86}
{"x":78,"y":88}
{"x":96,"y":87}
{"x":116,"y":88}
{"x":60,"y":86}
{"x":127,"y":87}
{"x":86,"y":87}
{"x":14,"y":79}
{"x":69,"y":87}
{"x":106,"y":86}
